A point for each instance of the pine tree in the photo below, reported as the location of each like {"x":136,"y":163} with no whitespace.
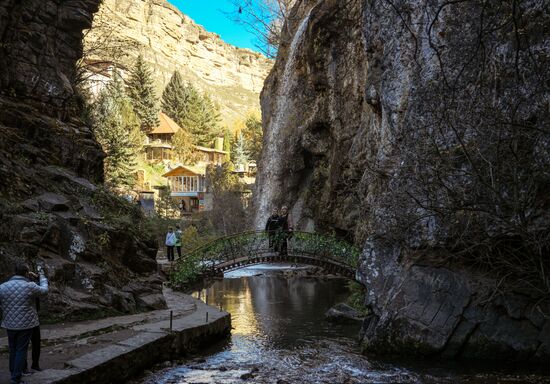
{"x":175,"y":99}
{"x":240,"y":153}
{"x":202,"y":118}
{"x":117,"y":130}
{"x":253,"y":135}
{"x":141,"y":91}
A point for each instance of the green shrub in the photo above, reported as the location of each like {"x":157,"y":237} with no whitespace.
{"x":356,"y":299}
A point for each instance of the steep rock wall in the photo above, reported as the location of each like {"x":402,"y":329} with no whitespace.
{"x":170,"y":40}
{"x":397,"y":126}
{"x":51,"y":208}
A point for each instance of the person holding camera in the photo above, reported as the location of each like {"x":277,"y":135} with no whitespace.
{"x":18,"y":301}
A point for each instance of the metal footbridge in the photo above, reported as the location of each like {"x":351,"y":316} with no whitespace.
{"x":236,"y":251}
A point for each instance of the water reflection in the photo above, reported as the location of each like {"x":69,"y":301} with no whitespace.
{"x":280,"y":336}
{"x":278,"y":311}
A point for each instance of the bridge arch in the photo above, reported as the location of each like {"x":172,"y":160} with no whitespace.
{"x":254,"y":247}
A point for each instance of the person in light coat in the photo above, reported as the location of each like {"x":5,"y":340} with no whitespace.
{"x":170,"y":243}
{"x":17,"y":300}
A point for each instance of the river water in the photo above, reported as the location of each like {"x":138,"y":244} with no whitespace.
{"x":280,"y":336}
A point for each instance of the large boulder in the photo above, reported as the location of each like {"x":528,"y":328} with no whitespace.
{"x":343,"y":313}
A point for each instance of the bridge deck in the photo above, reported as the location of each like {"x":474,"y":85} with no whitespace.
{"x":247,"y":248}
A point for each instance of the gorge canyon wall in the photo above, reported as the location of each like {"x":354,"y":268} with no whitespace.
{"x":53,"y":210}
{"x":419,"y":130}
{"x":170,"y":40}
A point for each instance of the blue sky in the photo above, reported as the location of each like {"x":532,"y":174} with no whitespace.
{"x":210,"y":14}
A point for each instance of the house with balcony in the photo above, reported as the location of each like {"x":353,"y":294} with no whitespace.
{"x":158,"y":145}
{"x":188,"y":188}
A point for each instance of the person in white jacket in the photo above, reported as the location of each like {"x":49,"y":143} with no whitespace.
{"x":170,"y":242}
{"x":17,"y":299}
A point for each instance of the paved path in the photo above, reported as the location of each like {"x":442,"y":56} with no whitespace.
{"x":78,"y":348}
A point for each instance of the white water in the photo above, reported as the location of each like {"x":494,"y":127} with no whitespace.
{"x":273,"y":151}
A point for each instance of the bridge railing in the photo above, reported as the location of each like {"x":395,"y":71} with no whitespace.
{"x":253,"y":244}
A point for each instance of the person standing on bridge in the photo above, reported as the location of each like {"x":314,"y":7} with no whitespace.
{"x":284,"y":231}
{"x":271,"y":227}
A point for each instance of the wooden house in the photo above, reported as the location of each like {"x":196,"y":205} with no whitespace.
{"x":188,"y":188}
{"x":210,"y":155}
{"x":158,"y":146}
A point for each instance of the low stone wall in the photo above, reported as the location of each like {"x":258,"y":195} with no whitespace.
{"x":153,"y":344}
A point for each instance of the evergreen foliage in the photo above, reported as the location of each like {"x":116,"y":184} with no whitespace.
{"x":175,"y":99}
{"x":117,"y":129}
{"x":239,"y":152}
{"x":191,"y":110}
{"x":253,"y":136}
{"x":175,"y":103}
{"x":202,"y":117}
{"x":141,"y":91}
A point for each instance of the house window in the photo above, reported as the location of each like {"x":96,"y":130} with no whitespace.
{"x":186,"y":184}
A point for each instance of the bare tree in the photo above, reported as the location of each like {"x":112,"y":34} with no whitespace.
{"x":103,"y":46}
{"x":264,"y":18}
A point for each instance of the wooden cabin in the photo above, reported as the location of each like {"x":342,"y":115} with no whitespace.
{"x":188,"y":187}
{"x":210,"y":155}
{"x":159,"y":141}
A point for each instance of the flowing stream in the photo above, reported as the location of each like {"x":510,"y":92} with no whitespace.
{"x":280,"y":336}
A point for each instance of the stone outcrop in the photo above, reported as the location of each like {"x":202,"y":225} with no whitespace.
{"x":170,"y":40}
{"x":40,"y":41}
{"x":454,"y":312}
{"x":393,"y":126}
{"x":343,"y":313}
{"x":52,"y":210}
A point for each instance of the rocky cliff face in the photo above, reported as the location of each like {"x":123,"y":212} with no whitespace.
{"x":51,"y":208}
{"x":170,"y":40}
{"x":418,"y":129}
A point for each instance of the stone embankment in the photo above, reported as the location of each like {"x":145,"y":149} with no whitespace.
{"x":117,"y":348}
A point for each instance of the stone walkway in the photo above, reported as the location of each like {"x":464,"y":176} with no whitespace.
{"x":80,"y":352}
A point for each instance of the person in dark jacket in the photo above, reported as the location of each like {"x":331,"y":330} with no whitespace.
{"x":17,"y":298}
{"x":271,"y":226}
{"x":284,"y":232}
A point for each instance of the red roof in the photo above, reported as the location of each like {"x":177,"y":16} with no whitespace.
{"x":167,"y":125}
